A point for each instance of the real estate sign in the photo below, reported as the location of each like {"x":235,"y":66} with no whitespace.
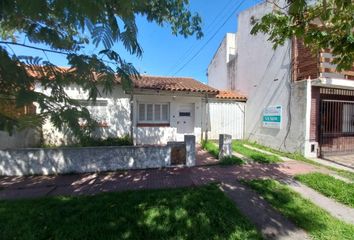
{"x":272,"y":117}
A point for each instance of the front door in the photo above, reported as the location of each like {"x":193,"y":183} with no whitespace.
{"x":185,"y":120}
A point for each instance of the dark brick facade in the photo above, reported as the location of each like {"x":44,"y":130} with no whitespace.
{"x":304,"y":62}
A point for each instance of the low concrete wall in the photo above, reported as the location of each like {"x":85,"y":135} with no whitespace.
{"x":44,"y":161}
{"x":79,"y":160}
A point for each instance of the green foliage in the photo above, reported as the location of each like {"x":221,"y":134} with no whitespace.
{"x":257,"y":156}
{"x":232,"y":160}
{"x":185,"y":213}
{"x":91,"y":142}
{"x":67,"y":27}
{"x":326,"y":24}
{"x":329,"y":186}
{"x":211,"y":148}
{"x":302,"y":212}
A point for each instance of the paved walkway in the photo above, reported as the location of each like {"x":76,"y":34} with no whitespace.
{"x":336,"y":209}
{"x":346,"y":161}
{"x":270,"y":222}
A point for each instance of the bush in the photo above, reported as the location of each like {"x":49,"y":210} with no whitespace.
{"x":118,"y":141}
{"x":231,"y":161}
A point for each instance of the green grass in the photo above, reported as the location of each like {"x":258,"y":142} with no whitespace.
{"x":306,"y":215}
{"x":257,"y":156}
{"x":185,"y":213}
{"x":211,"y":148}
{"x":329,"y":186}
{"x":298,"y":156}
{"x":231,"y":161}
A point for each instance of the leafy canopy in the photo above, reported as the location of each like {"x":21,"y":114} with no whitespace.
{"x":66,"y":27}
{"x":322,"y":24}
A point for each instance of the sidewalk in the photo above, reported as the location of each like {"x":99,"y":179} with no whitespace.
{"x":93,"y":183}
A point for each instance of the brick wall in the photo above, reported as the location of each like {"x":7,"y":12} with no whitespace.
{"x":305,"y":62}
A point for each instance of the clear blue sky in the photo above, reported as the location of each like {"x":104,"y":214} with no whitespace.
{"x":164,"y":53}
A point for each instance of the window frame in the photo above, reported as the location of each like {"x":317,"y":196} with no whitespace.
{"x":153,"y":121}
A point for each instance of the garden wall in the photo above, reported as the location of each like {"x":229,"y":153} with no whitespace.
{"x":18,"y":162}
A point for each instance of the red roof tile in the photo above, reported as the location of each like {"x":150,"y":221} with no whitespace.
{"x":231,"y":95}
{"x":173,"y":84}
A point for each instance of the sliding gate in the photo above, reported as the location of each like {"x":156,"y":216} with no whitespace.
{"x":336,"y":126}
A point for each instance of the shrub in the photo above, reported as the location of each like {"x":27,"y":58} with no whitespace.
{"x":118,"y":141}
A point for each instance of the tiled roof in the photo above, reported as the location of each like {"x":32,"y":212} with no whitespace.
{"x":167,"y":83}
{"x":173,"y":84}
{"x":231,"y":95}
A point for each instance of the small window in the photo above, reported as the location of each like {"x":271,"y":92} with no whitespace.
{"x":184,"y":114}
{"x":153,"y":113}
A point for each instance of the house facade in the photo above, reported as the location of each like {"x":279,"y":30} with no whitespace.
{"x":297,"y":101}
{"x":156,"y":111}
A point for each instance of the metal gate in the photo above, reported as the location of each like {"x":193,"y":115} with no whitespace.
{"x":336,"y":126}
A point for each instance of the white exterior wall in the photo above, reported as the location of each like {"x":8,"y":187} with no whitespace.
{"x":226,"y":117}
{"x":117,"y":116}
{"x":162,"y":135}
{"x":20,"y":139}
{"x":264,"y":75}
{"x":218,"y":76}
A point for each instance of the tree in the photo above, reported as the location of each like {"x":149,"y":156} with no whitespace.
{"x":66,"y":27}
{"x":323,"y":24}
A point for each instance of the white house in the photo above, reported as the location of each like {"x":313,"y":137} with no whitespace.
{"x":295,"y":101}
{"x":157,"y":110}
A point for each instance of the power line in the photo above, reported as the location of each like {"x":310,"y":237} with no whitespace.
{"x":200,"y":49}
{"x":189,"y":51}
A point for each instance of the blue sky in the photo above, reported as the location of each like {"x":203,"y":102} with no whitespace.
{"x":164,"y":53}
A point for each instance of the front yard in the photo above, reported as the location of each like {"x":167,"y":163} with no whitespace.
{"x":185,"y":213}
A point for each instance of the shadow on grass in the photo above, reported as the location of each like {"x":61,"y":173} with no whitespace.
{"x":316,"y":221}
{"x":185,"y":213}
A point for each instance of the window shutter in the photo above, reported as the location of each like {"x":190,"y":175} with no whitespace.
{"x":164,"y":112}
{"x":149,"y":112}
{"x":157,"y":112}
{"x":141,"y":112}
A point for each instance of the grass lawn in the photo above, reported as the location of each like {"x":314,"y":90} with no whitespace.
{"x":316,"y":221}
{"x":185,"y":213}
{"x":329,"y":186}
{"x":232,"y":160}
{"x":257,"y":156}
{"x":213,"y":149}
{"x":298,"y":156}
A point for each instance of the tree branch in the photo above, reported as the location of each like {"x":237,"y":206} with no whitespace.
{"x":45,"y":50}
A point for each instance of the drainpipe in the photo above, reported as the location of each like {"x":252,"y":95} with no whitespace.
{"x":132,"y":117}
{"x":207,"y":116}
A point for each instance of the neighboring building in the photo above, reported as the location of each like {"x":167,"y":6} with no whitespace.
{"x":221,"y":70}
{"x":156,"y":111}
{"x":296,"y":100}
